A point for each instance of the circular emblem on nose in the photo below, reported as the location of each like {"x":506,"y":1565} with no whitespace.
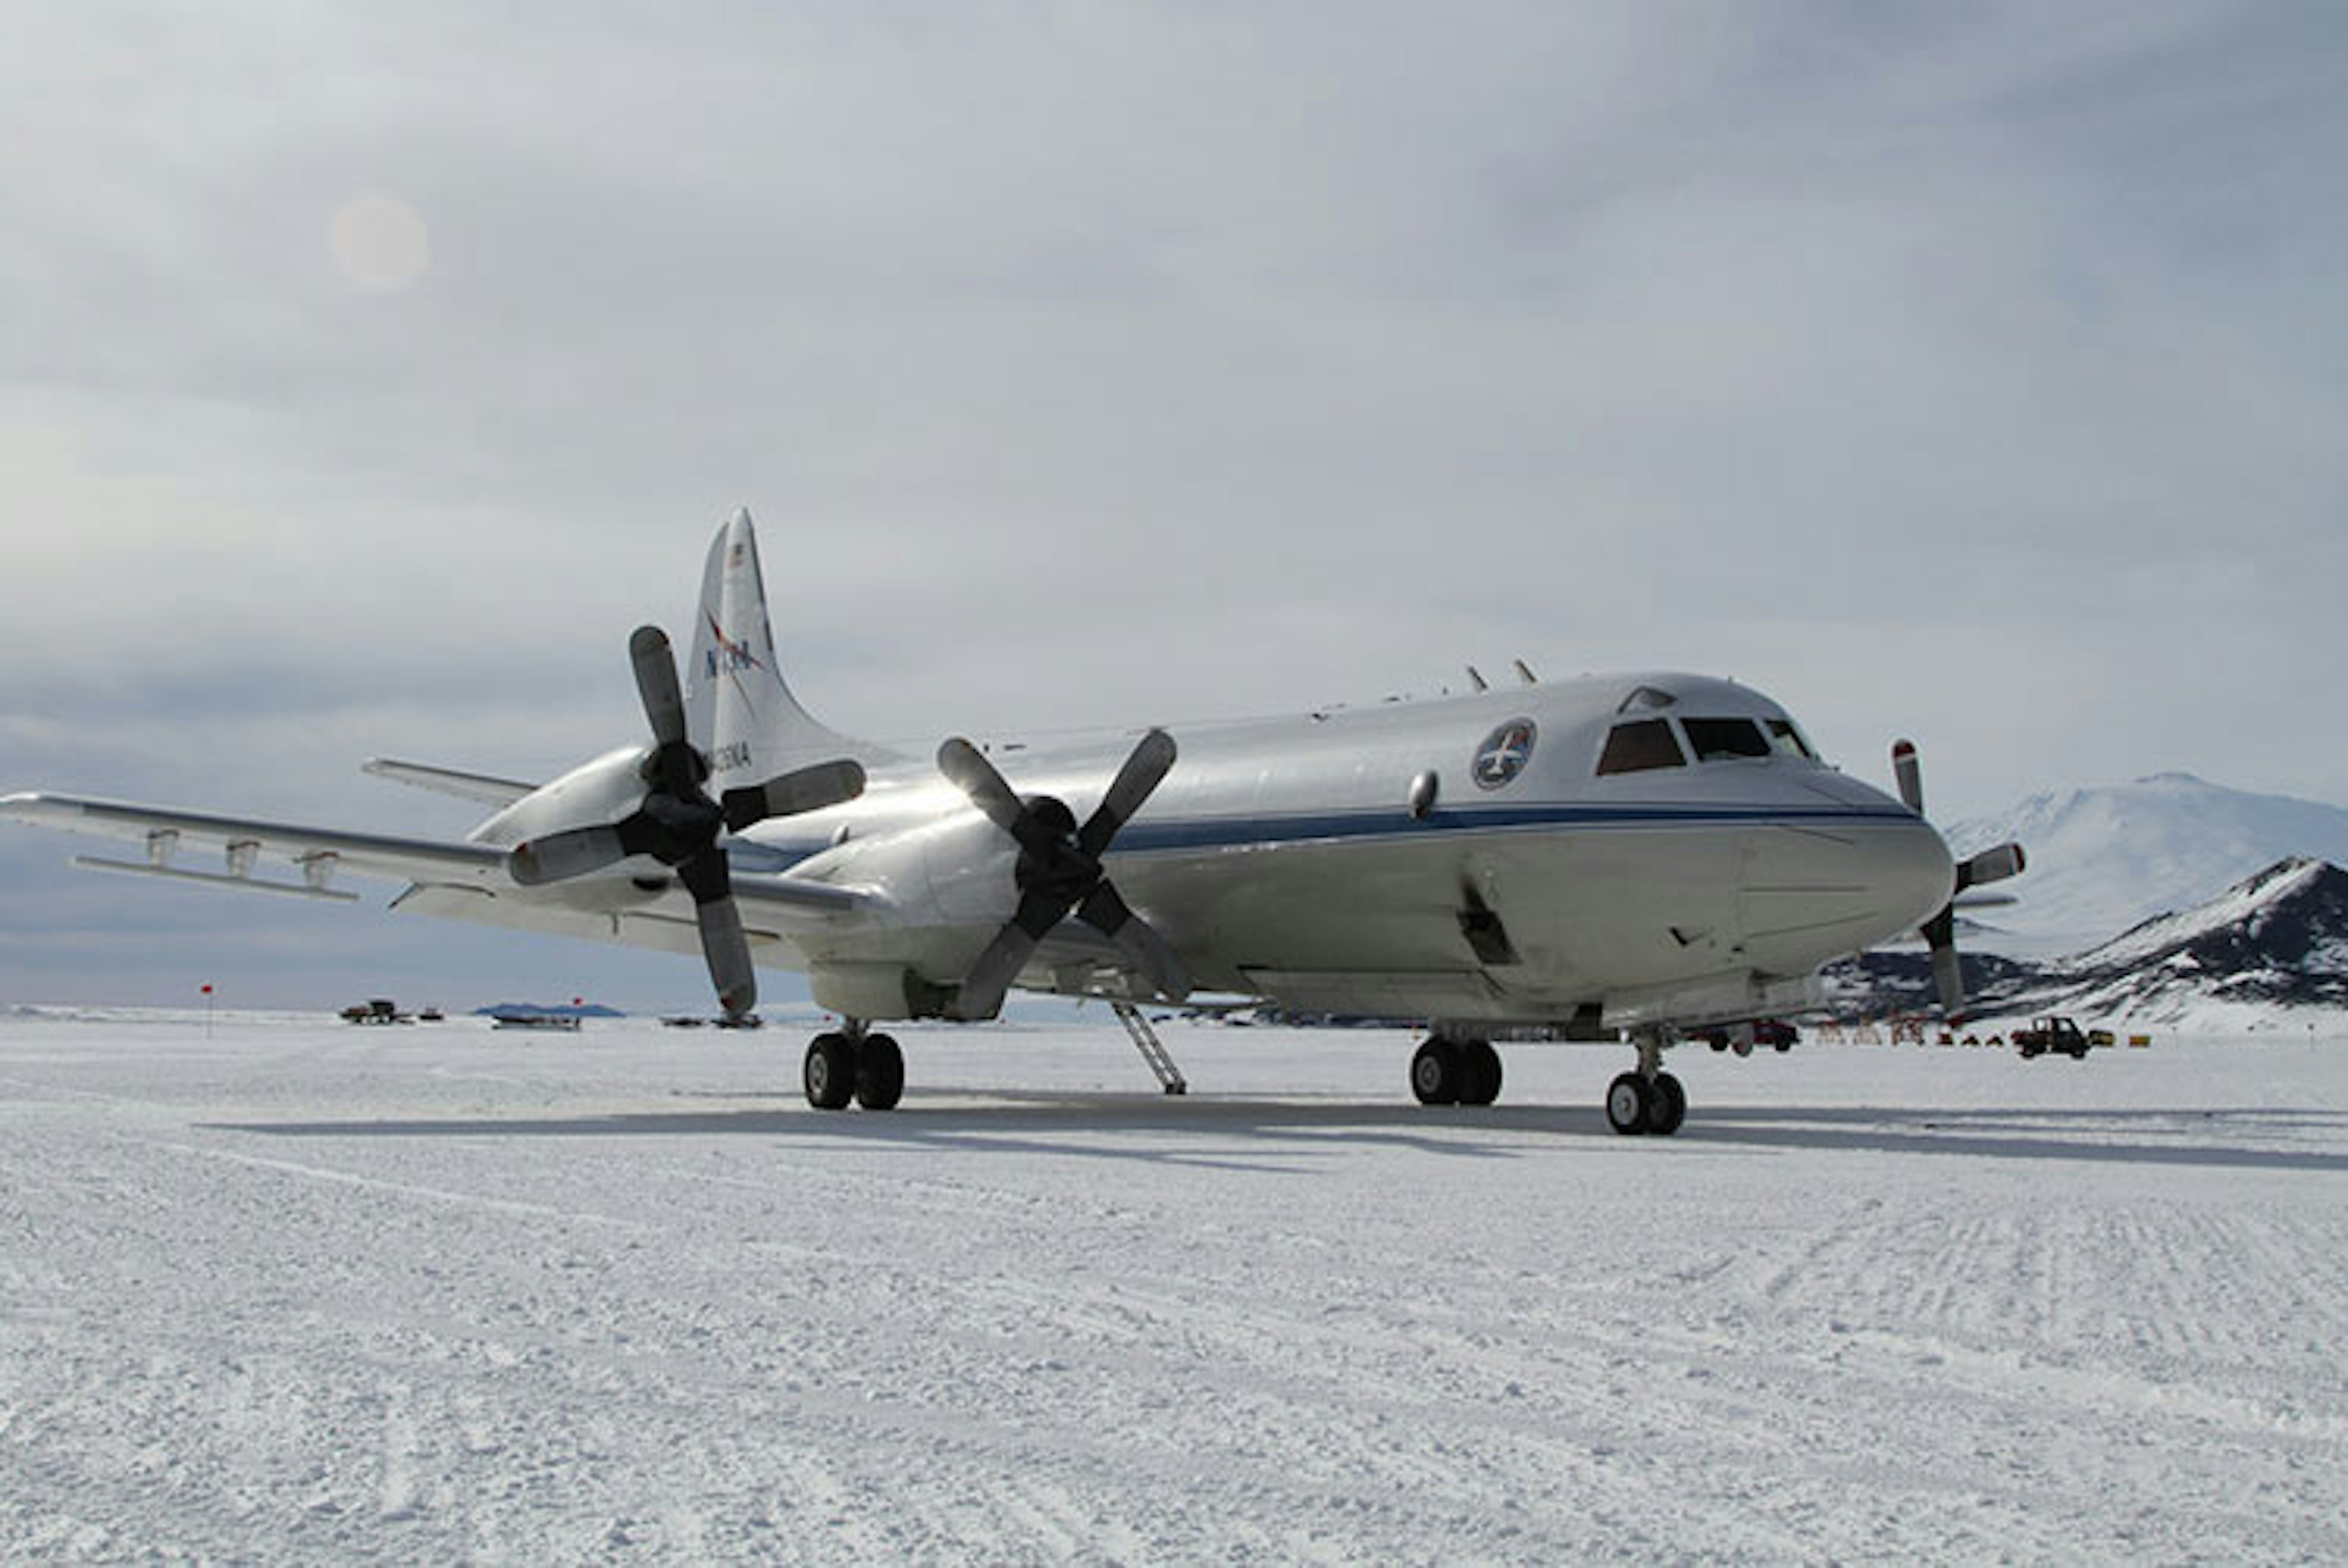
{"x":1503,"y":755}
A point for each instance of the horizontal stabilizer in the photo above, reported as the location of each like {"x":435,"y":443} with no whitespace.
{"x":479,"y":787}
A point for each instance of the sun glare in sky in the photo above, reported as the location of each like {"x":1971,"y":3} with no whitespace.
{"x":379,"y":241}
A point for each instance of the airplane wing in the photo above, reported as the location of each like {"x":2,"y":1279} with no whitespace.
{"x":172,"y":839}
{"x":773,"y":909}
{"x":469,"y":880}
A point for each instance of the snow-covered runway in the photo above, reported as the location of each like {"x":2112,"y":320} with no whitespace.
{"x":303,"y":1291}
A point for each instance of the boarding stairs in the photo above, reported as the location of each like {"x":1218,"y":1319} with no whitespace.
{"x":1152,"y":1048}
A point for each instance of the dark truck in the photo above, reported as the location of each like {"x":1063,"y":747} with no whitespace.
{"x":2046,"y":1034}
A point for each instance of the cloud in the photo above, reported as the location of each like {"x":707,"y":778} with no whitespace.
{"x":1970,"y":373}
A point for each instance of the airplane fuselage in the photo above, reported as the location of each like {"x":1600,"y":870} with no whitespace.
{"x":1508,"y":857}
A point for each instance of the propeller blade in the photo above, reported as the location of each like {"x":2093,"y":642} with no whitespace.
{"x":1105,"y":911}
{"x":727,"y":953}
{"x":1910,"y":774}
{"x":560,"y":856}
{"x":990,"y":978}
{"x":705,"y":876}
{"x":972,"y":773}
{"x":989,"y":981}
{"x":1992,"y":866}
{"x":723,"y":946}
{"x":1143,"y":772}
{"x":1988,"y":866}
{"x":1948,"y":976}
{"x":1948,"y":979}
{"x":656,"y":683}
{"x":801,"y":790}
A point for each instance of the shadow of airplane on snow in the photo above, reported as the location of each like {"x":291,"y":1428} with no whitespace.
{"x":1242,"y":1133}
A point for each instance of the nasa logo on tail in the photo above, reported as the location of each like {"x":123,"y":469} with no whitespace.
{"x":726,"y":655}
{"x":1504,"y":754}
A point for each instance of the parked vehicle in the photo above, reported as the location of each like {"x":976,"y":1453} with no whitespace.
{"x":2047,"y":1034}
{"x":1741,"y":1038}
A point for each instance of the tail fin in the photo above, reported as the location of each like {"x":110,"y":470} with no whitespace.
{"x":739,"y":710}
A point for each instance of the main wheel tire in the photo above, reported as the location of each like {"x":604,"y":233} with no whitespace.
{"x":1481,"y":1063}
{"x":1629,"y":1103}
{"x":829,"y":1074}
{"x":1436,"y":1073}
{"x":880,"y":1073}
{"x":1669,"y":1108}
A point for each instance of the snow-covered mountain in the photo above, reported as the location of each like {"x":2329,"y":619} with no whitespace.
{"x":2104,"y":859}
{"x":2271,"y":952}
{"x":2274,"y":941}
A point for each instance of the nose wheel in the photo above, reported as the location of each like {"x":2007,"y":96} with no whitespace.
{"x":1646,"y":1098}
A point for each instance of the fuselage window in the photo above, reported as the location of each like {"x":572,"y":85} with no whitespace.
{"x":1644,"y":743}
{"x":1788,"y":741}
{"x":1721,"y":740}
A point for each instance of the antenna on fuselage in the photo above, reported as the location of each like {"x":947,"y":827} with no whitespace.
{"x":1477,"y":677}
{"x":1524,"y":674}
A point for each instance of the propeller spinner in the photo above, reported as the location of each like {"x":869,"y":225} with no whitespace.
{"x":1059,"y":871}
{"x":679,"y":826}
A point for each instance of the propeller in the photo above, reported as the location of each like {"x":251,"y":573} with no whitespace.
{"x":679,"y":826}
{"x":1059,"y":871}
{"x":1988,"y":866}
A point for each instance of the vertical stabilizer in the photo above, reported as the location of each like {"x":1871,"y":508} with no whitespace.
{"x":740,"y":711}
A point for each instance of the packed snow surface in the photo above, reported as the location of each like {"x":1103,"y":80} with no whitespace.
{"x":280,"y":1290}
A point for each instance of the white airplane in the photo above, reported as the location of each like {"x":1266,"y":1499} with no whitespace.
{"x":1616,"y":857}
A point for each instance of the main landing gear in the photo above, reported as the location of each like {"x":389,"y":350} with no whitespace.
{"x":1456,"y":1072}
{"x":1448,"y":1071}
{"x":1646,"y":1098}
{"x":853,"y":1065}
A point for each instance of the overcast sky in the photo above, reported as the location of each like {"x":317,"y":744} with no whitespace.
{"x":1974,"y":373}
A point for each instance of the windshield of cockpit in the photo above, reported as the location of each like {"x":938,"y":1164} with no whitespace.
{"x":1642,"y":744}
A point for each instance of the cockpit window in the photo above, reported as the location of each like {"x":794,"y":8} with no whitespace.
{"x":1639,"y":745}
{"x":1788,"y":741}
{"x":1721,"y":740}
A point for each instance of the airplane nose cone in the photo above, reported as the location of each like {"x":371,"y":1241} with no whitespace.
{"x":1914,"y":872}
{"x":1904,"y":863}
{"x":1869,"y":871}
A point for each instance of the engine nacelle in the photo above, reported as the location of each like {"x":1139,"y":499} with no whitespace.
{"x":954,"y":872}
{"x":593,"y":794}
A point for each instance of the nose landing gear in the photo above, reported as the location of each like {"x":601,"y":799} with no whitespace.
{"x":1646,"y":1098}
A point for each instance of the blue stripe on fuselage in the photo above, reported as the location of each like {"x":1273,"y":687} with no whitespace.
{"x":1309,"y":827}
{"x":1260,"y":832}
